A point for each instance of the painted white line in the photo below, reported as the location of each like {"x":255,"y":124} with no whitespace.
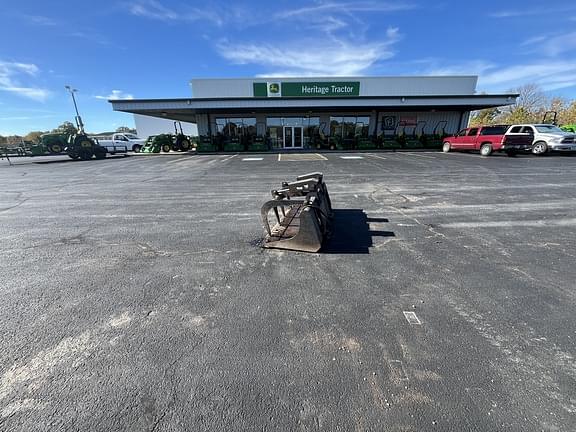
{"x":279,"y":158}
{"x":229,"y":157}
{"x":252,"y":159}
{"x":376,"y":156}
{"x":411,"y":318}
{"x":351,"y":157}
{"x":418,"y":155}
{"x":512,"y":223}
{"x":321,"y":156}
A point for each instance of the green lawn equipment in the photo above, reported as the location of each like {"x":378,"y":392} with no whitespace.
{"x":80,"y":146}
{"x":54,"y":142}
{"x":365,"y":143}
{"x":233,"y":144}
{"x":157,"y":143}
{"x":435,"y":140}
{"x":569,"y":128}
{"x":320,"y":141}
{"x":414,"y":140}
{"x":256,"y":143}
{"x":206,"y":144}
{"x":392,"y":139}
{"x":180,"y":141}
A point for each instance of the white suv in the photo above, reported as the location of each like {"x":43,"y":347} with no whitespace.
{"x":547,"y":138}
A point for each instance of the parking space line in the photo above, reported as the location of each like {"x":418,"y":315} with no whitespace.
{"x":351,"y":157}
{"x":229,"y":157}
{"x":251,"y":159}
{"x":418,"y":155}
{"x":376,"y":156}
{"x":295,"y":157}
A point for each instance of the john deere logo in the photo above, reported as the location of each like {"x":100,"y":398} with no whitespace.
{"x":274,"y":89}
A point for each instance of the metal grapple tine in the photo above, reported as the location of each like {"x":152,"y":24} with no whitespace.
{"x":316,"y":175}
{"x":306,"y":213}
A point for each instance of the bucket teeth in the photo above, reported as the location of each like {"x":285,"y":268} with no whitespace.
{"x":302,"y":214}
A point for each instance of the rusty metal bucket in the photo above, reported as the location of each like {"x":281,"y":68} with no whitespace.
{"x":302,"y":213}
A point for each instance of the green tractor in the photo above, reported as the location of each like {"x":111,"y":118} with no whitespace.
{"x":54,"y":142}
{"x":157,"y":143}
{"x":80,"y":146}
{"x":181,"y":142}
{"x":166,"y":142}
{"x":76,"y":146}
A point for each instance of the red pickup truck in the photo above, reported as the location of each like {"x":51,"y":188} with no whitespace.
{"x":488,"y":139}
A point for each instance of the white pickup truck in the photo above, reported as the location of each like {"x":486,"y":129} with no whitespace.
{"x":121,"y":140}
{"x":547,"y":138}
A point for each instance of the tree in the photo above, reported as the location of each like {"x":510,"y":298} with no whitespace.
{"x":529,"y":106}
{"x":66,"y":128}
{"x":519,"y":114}
{"x":486,"y":116}
{"x":13,"y":139}
{"x":125,"y":129}
{"x":569,"y":116}
{"x":33,"y":136}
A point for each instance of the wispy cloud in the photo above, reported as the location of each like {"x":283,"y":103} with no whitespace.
{"x":335,"y":44}
{"x":116,"y":94}
{"x":156,"y":10}
{"x":40,"y":20}
{"x":552,"y":44}
{"x":341,"y":18}
{"x":473,"y":67}
{"x":90,"y":36}
{"x":524,"y":12}
{"x":20,"y":118}
{"x":326,"y":8}
{"x":548,"y":74}
{"x":332,"y":58}
{"x":11,"y":74}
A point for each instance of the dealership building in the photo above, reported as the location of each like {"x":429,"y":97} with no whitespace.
{"x":291,"y":112}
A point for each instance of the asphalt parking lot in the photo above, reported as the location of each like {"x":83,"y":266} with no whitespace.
{"x":134,"y":296}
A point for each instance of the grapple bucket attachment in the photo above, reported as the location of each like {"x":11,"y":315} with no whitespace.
{"x":303,"y":213}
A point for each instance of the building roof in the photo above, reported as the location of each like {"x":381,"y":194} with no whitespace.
{"x":319,"y":94}
{"x":186,"y":108}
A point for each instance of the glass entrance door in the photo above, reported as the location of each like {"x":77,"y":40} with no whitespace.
{"x":293,"y":136}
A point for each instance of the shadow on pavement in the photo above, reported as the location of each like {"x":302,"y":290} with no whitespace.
{"x":68,"y":160}
{"x":351,"y":232}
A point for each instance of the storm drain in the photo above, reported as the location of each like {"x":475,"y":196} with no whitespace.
{"x":296,"y":157}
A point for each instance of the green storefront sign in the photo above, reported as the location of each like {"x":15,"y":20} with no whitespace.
{"x":307,"y":89}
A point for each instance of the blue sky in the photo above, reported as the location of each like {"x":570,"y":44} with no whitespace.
{"x":152,"y":48}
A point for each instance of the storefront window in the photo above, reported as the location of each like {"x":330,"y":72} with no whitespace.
{"x":362,"y":126}
{"x":336,"y":126}
{"x":236,"y":127}
{"x":349,"y":127}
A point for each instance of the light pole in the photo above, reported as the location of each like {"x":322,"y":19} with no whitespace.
{"x":78,"y":118}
